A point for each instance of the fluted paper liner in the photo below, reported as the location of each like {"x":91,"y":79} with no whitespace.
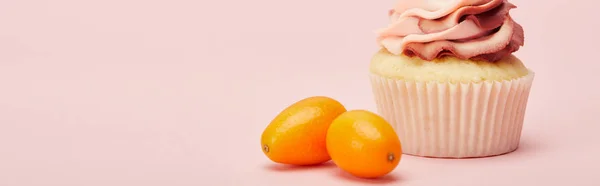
{"x":449,"y":120}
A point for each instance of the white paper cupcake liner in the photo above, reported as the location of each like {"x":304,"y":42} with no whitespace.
{"x":446,"y":120}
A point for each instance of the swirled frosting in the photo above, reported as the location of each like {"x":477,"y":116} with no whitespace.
{"x":466,"y":29}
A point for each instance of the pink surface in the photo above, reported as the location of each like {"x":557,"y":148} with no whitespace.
{"x":132,"y":92}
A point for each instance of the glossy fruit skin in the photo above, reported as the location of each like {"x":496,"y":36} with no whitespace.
{"x":363,"y":144}
{"x":296,"y":136}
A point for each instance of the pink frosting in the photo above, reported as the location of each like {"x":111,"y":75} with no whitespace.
{"x":466,"y":29}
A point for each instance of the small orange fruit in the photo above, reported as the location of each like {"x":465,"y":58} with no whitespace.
{"x":363,"y":144}
{"x":296,"y":136}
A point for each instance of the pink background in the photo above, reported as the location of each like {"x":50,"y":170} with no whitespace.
{"x":149,"y":92}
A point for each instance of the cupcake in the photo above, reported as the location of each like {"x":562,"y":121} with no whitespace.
{"x":447,"y":80}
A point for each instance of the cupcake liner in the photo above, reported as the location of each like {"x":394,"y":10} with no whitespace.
{"x":461,"y":120}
